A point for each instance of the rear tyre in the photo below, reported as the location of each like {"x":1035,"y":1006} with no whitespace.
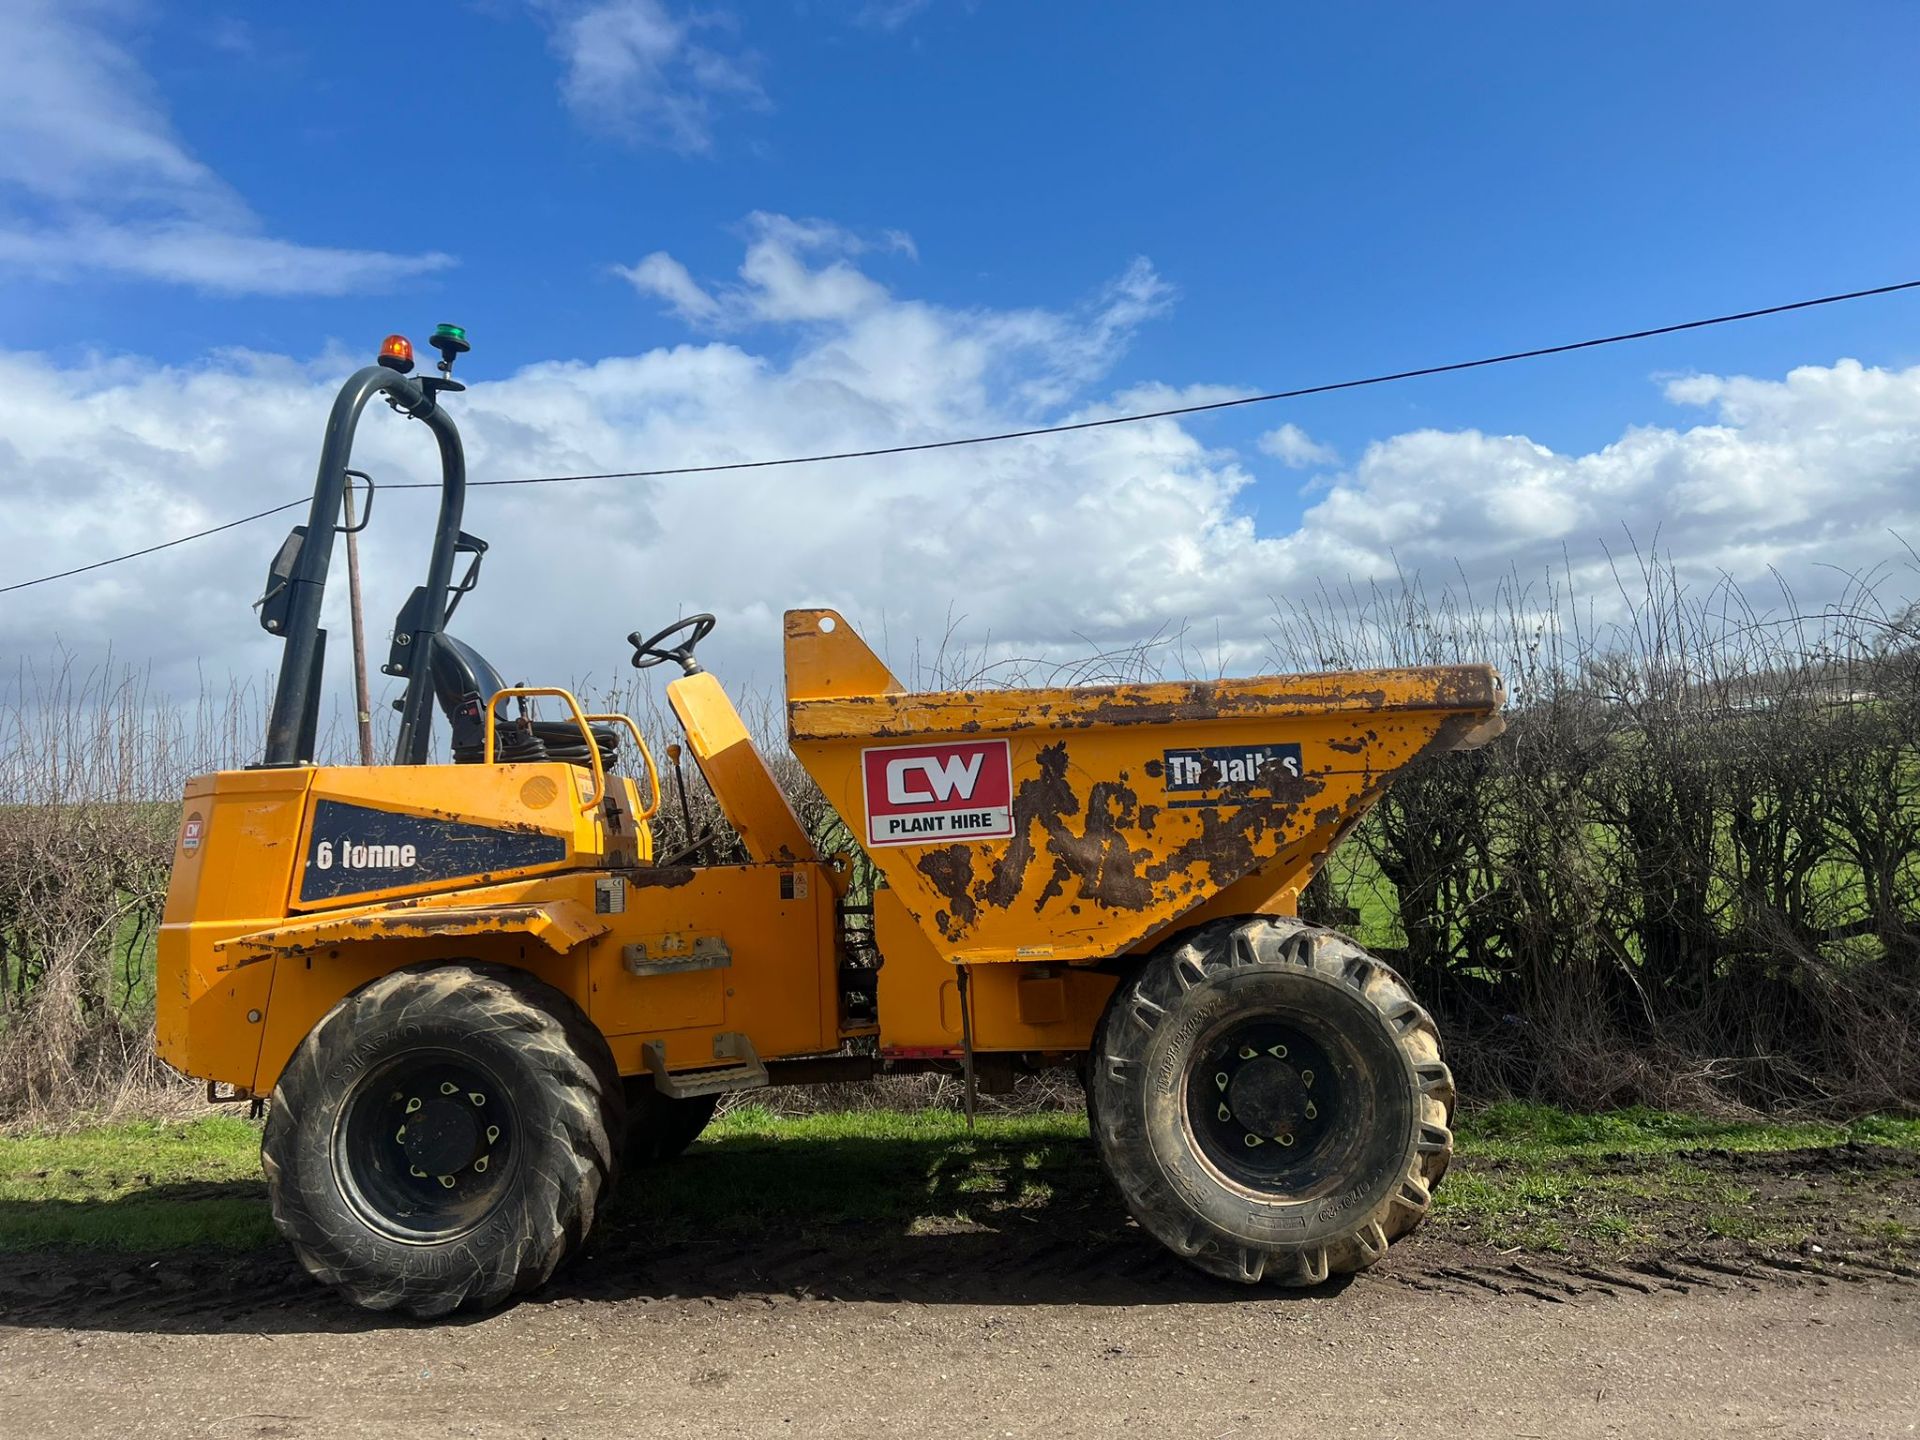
{"x":1271,"y":1102}
{"x":443,"y":1138}
{"x":661,"y":1127}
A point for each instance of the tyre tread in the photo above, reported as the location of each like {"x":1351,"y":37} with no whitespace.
{"x":1122,"y":1041}
{"x":559,"y":1203}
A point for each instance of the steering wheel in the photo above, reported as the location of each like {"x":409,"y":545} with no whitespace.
{"x":650,"y":652}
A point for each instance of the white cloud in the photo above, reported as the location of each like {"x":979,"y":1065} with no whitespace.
{"x":888,"y":14}
{"x":1047,"y":546}
{"x":778,"y":284}
{"x":638,"y":71}
{"x":1296,"y":449}
{"x":208,"y":257}
{"x":664,"y":277}
{"x":93,"y":179}
{"x":1795,"y":474}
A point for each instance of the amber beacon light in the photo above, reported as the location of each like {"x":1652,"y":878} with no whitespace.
{"x":396,"y":353}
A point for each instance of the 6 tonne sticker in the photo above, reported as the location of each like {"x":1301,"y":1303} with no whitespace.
{"x":935,"y":794}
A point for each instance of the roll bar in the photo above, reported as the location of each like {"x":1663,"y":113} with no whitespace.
{"x":296,"y":695}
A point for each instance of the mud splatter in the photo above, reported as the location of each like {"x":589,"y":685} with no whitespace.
{"x":665,"y":877}
{"x":1056,"y":885}
{"x":1096,"y":861}
{"x":1041,"y":801}
{"x":950,"y":871}
{"x":1100,"y":856}
{"x":1226,"y":842}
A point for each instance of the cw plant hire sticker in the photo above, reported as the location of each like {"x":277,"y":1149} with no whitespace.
{"x":934,"y":794}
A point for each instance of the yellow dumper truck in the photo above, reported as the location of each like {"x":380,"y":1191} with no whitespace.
{"x":467,"y":987}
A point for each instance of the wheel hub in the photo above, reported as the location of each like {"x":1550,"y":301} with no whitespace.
{"x":442,"y":1136}
{"x":1266,"y":1097}
{"x":1262,"y":1101}
{"x":426,"y":1147}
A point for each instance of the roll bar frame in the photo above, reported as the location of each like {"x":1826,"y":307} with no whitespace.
{"x":296,"y":692}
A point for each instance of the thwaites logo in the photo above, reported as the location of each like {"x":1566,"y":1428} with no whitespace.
{"x":1227,"y":774}
{"x":935,"y":794}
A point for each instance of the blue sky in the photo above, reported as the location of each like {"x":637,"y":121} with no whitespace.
{"x":1319,"y":192}
{"x":1330,"y":190}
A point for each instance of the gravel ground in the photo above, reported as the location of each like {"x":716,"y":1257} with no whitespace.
{"x":1411,"y":1350}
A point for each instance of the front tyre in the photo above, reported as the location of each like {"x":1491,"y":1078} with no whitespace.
{"x":443,"y":1138}
{"x":1271,"y":1102}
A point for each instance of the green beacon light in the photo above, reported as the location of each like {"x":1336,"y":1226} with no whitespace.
{"x":451,"y":342}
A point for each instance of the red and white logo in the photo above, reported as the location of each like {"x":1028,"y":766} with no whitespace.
{"x":935,"y":794}
{"x":190,"y":833}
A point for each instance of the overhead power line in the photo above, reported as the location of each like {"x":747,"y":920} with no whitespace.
{"x":1539,"y":352}
{"x":152,"y":549}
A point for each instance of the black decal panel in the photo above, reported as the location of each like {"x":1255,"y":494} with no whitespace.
{"x":356,"y":849}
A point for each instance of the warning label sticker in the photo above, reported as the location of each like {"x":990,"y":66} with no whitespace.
{"x":936,"y":794}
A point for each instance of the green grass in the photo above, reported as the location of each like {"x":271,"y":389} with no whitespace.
{"x":1515,"y":1130}
{"x":1527,"y":1175}
{"x":135,"y":1187}
{"x":1546,"y":1179}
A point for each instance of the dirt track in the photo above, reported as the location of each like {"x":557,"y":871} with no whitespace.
{"x":1441,"y":1340}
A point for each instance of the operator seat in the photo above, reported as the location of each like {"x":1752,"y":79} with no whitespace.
{"x":463,"y":682}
